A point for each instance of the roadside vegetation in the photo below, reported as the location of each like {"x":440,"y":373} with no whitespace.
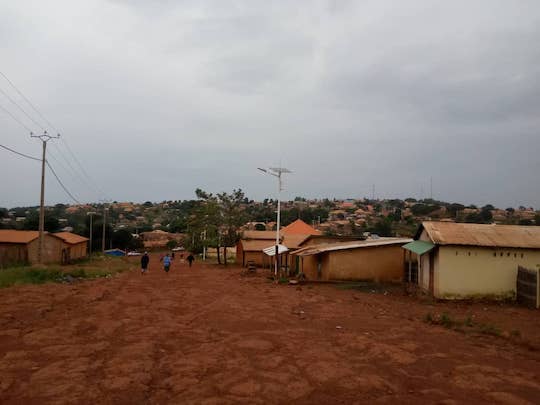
{"x":468,"y":325}
{"x":100,"y":266}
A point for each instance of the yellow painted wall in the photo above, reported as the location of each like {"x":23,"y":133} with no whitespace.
{"x":383,"y":263}
{"x":308,"y":264}
{"x":463,"y":271}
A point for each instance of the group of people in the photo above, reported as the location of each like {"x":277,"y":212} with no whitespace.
{"x":167,"y":261}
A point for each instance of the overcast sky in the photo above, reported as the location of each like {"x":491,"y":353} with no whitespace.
{"x":157,"y":98}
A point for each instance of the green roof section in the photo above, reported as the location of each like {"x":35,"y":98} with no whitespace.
{"x":419,"y":246}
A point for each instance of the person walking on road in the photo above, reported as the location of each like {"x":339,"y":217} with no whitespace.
{"x":167,"y":263}
{"x":145,"y":259}
{"x":190,"y":259}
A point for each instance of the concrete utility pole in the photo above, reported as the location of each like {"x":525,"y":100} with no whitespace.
{"x":45,"y":137}
{"x":277,"y":172}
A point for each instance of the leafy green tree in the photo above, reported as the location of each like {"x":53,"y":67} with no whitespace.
{"x":232,"y":216}
{"x":172,"y":244}
{"x":51,"y":223}
{"x":382,"y":228}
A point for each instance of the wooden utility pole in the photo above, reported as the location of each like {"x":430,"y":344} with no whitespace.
{"x":44,"y":139}
{"x":104,"y":225}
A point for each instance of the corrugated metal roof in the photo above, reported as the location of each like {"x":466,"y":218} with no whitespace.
{"x":271,"y":251}
{"x":419,"y":246}
{"x":71,"y":238}
{"x":511,"y":236}
{"x":256,"y":245}
{"x":259,"y":235}
{"x":329,"y":247}
{"x":14,"y":236}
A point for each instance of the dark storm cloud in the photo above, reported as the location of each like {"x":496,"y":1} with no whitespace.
{"x":159,"y":98}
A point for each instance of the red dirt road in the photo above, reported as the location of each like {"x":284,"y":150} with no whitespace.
{"x":207,"y":335}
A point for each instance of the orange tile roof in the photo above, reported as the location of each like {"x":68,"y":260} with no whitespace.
{"x":14,"y":236}
{"x":70,"y":238}
{"x":294,"y":241}
{"x":299,"y":227}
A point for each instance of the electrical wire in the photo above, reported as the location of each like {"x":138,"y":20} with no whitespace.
{"x":90,"y":182}
{"x":83,"y":171}
{"x":22,"y":109}
{"x":20,"y":154}
{"x":29,"y":102}
{"x":60,"y":182}
{"x":15,"y":119}
{"x":48,"y":165}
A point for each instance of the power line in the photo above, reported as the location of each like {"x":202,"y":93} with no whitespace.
{"x":20,"y":154}
{"x":60,"y":182}
{"x":50,"y":167}
{"x":95,"y":186}
{"x":90,"y":182}
{"x":22,"y":109}
{"x":15,"y":119}
{"x":29,"y":102}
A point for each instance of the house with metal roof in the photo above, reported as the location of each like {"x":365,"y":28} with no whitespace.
{"x":379,"y":260}
{"x":461,"y":260}
{"x":250,"y":247}
{"x":21,"y":247}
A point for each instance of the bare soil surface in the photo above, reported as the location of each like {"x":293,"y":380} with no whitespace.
{"x":207,"y":335}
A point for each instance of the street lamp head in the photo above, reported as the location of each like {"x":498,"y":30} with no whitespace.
{"x":280,"y":170}
{"x":262,"y":170}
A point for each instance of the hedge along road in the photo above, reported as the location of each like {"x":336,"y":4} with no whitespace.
{"x":208,"y":335}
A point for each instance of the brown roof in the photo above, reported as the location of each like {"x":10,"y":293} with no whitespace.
{"x":256,"y":245}
{"x":329,"y":247}
{"x":299,"y":227}
{"x":70,"y":238}
{"x":259,"y":235}
{"x":511,"y":236}
{"x":13,"y":236}
{"x":294,"y":241}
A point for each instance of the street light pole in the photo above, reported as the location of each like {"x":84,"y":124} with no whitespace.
{"x":277,"y":172}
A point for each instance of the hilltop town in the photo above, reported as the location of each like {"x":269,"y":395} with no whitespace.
{"x":337,"y":217}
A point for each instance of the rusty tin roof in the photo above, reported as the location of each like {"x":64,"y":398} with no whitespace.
{"x":511,"y":236}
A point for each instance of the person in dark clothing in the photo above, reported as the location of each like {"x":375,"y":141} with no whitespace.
{"x":190,"y":259}
{"x":145,"y":259}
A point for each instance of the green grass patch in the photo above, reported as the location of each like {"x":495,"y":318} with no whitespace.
{"x":364,"y":286}
{"x":98,"y":267}
{"x":468,"y":325}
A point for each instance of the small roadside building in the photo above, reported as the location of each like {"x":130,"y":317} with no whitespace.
{"x":379,"y":260}
{"x":461,"y":260}
{"x":73,"y":246}
{"x":21,"y":247}
{"x":250,"y":247}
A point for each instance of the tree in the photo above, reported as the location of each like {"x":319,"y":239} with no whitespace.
{"x":232,"y":216}
{"x":51,"y":223}
{"x":382,"y":228}
{"x":172,"y":244}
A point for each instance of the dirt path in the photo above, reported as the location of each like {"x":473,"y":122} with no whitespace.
{"x":208,"y":335}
